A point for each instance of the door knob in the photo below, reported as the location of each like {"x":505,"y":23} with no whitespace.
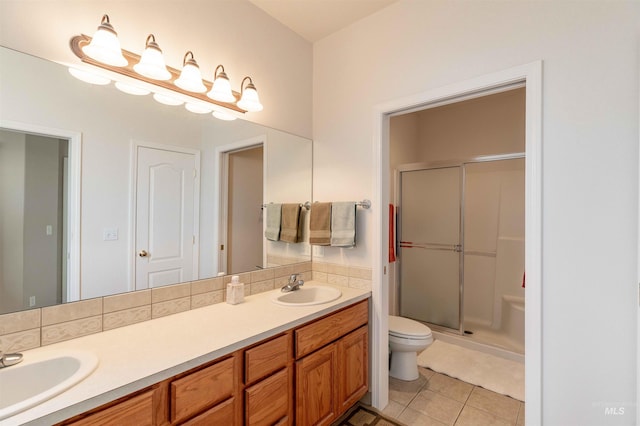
{"x":143,"y":253}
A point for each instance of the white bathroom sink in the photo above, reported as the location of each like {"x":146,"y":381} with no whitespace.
{"x":42,"y":376}
{"x":307,"y":295}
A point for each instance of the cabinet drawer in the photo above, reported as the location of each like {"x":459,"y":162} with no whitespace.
{"x":266,"y":358}
{"x":319,"y":333}
{"x":221,"y":414}
{"x":134,"y":411}
{"x":193,"y":393}
{"x":267,"y":402}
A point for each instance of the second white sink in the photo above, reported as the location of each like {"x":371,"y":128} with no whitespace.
{"x":41,"y":376}
{"x":307,"y":295}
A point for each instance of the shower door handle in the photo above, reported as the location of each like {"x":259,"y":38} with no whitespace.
{"x":432,"y":246}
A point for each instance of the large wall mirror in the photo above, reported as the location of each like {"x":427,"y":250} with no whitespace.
{"x":103,"y":192}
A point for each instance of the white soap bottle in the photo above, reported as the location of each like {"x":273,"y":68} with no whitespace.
{"x":235,"y":291}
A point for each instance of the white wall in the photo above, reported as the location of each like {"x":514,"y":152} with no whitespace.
{"x":234,"y":33}
{"x":590,"y":161}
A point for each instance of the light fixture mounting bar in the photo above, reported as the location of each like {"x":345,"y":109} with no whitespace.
{"x":79,"y":41}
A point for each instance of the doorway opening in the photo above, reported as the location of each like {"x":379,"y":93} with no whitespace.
{"x":529,"y":75}
{"x":39,"y":206}
{"x":460,"y":217}
{"x":240,"y":192}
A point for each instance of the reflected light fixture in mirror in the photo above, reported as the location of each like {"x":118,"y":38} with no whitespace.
{"x":89,"y":77}
{"x":167,"y":99}
{"x":198,"y":109}
{"x":131,"y":89}
{"x":155,"y":76}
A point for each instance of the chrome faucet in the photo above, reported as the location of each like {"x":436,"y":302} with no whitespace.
{"x":7,"y":360}
{"x":293,"y":284}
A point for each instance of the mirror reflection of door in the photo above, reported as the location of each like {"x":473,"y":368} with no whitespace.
{"x":33,"y":220}
{"x":166,"y":216}
{"x":244,"y":213}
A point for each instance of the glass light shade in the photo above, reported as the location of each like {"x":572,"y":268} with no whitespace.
{"x":104,"y":46}
{"x":198,"y":109}
{"x":250,"y":100}
{"x":221,"y":88}
{"x":190,"y":78}
{"x":152,"y":63}
{"x":131,"y":89}
{"x":220,"y":115}
{"x":167,"y":100}
{"x":89,"y":77}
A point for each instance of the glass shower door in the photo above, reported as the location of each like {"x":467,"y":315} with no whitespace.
{"x":430,"y":248}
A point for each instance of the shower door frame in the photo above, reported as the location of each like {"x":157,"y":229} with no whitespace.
{"x":460,"y":163}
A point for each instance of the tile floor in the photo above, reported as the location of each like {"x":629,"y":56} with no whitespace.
{"x":437,"y":399}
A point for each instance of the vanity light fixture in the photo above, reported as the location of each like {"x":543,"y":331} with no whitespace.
{"x":221,"y":89}
{"x":190,"y":78}
{"x":151,"y":63}
{"x":104,"y":46}
{"x":249,"y":100}
{"x":169,"y":85}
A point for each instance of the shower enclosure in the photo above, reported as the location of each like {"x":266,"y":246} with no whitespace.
{"x":461,"y":246}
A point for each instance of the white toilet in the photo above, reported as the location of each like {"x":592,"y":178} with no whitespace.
{"x":406,"y":338}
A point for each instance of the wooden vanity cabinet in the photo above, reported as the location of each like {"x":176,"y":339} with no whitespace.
{"x":309,"y":375}
{"x":332,"y":365}
{"x":268,"y":394}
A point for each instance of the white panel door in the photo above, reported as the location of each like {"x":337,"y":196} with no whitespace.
{"x":165,"y":217}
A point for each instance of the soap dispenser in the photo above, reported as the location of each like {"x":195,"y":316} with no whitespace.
{"x":235,"y":291}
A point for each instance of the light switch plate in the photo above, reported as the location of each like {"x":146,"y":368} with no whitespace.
{"x":110,"y":234}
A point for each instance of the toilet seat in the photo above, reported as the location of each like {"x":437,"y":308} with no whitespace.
{"x":406,"y":328}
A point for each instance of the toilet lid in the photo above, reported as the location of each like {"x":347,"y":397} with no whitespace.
{"x":401,"y":326}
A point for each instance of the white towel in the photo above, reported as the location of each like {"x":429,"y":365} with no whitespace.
{"x":343,"y":224}
{"x":273,"y":222}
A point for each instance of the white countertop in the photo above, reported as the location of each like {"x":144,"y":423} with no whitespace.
{"x":139,"y":355}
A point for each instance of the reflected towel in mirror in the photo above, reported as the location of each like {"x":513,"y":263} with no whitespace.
{"x":272,"y":232}
{"x":289,"y":223}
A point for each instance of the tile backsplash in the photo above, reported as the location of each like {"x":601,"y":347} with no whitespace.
{"x":30,"y":329}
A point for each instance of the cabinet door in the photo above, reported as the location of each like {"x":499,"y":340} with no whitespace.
{"x":267,"y":402}
{"x":136,"y":411}
{"x":316,"y":394}
{"x":222,"y":414}
{"x":200,"y":390}
{"x":353,"y":367}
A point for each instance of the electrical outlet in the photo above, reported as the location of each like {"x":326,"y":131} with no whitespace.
{"x":32,"y":301}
